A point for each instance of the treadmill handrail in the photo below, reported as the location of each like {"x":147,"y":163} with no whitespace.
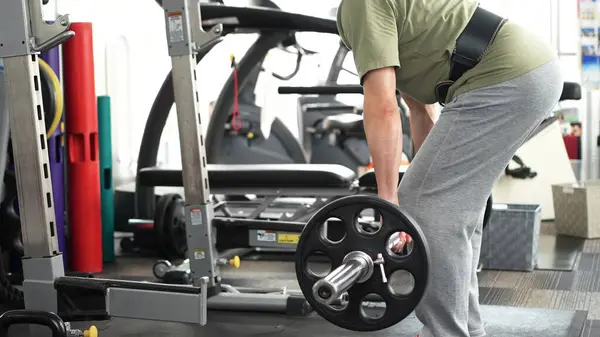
{"x":332,"y":89}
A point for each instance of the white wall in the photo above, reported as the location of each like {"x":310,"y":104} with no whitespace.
{"x":132,"y":61}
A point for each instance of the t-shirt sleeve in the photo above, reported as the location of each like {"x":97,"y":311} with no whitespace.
{"x":369,"y":28}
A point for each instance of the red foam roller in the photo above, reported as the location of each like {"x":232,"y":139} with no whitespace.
{"x":84,"y":210}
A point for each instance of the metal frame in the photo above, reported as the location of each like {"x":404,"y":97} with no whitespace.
{"x":23,"y":34}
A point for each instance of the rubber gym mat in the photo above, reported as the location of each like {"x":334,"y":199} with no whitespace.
{"x":558,"y":252}
{"x":500,"y":322}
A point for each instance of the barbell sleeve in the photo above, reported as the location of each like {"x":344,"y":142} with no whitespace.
{"x":357,"y":267}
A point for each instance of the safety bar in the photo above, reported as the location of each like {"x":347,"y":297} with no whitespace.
{"x":322,"y":90}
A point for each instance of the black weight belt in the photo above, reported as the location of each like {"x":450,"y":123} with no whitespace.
{"x":472,"y":43}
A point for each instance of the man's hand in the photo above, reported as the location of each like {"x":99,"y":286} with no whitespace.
{"x":403,"y":241}
{"x":391,"y":199}
{"x":400,"y":240}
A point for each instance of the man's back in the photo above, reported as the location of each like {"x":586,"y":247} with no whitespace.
{"x":426,"y":32}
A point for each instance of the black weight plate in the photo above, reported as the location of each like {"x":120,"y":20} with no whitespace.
{"x":162,"y":207}
{"x":174,"y":229}
{"x":347,"y":209}
{"x":488,"y":211}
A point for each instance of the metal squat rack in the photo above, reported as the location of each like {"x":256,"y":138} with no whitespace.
{"x":23,"y":35}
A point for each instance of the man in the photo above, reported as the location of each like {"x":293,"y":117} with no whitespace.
{"x":493,"y":101}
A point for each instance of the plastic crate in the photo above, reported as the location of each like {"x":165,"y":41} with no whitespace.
{"x":510,"y":240}
{"x":577,"y":209}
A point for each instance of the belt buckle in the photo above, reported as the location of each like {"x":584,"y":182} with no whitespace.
{"x":441,"y":91}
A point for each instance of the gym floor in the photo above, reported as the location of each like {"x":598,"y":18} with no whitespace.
{"x":574,"y":290}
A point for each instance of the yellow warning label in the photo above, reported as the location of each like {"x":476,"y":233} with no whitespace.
{"x":288,"y":238}
{"x":199,"y":254}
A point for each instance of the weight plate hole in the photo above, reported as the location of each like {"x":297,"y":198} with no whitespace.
{"x":341,"y":303}
{"x":373,"y":306}
{"x":333,"y":231}
{"x":401,"y":282}
{"x":318,"y":264}
{"x":399,"y":245}
{"x":369,"y":222}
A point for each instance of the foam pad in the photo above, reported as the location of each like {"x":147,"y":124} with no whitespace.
{"x":571,"y":91}
{"x":257,"y":176}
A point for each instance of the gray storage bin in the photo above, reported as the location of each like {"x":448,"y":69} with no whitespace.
{"x":577,"y":209}
{"x":510,"y":240}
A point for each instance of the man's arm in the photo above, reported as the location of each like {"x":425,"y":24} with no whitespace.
{"x":383,"y":129}
{"x":422,"y":118}
{"x":370,"y":29}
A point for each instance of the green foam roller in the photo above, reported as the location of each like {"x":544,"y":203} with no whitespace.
{"x":106,"y":179}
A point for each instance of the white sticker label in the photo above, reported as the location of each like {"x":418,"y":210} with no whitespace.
{"x":266,"y":236}
{"x":196,"y":216}
{"x":199,"y":254}
{"x":175,"y":27}
{"x":568,"y":190}
{"x":500,"y":206}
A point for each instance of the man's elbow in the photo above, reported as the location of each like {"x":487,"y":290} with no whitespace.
{"x":381,"y":108}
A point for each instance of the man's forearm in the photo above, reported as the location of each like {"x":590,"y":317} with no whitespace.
{"x":383,"y":129}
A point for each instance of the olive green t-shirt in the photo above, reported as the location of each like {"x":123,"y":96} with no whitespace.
{"x":417,"y":37}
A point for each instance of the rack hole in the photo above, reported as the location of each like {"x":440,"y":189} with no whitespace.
{"x":52,"y":229}
{"x":318,"y":264}
{"x":199,"y":119}
{"x":33,"y":58}
{"x":36,"y":83}
{"x":202,"y":140}
{"x":333,"y":230}
{"x":368,"y":222}
{"x":39,"y":112}
{"x":203,"y":161}
{"x":194,"y":74}
{"x":45,"y":166}
{"x":373,"y":306}
{"x":49,"y":199}
{"x":197,"y":97}
{"x":43,"y":141}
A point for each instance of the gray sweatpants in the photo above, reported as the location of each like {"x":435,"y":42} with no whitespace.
{"x":447,"y":184}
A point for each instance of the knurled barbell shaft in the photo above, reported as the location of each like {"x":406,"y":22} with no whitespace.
{"x":356,"y":266}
